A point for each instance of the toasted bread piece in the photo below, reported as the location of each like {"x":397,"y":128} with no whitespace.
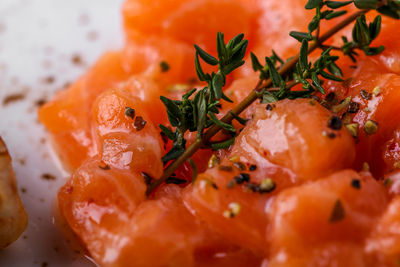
{"x":13,"y":217}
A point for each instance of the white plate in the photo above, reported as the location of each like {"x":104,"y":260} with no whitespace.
{"x":41,"y":42}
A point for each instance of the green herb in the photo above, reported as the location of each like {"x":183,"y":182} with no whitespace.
{"x":197,"y":110}
{"x":277,"y":77}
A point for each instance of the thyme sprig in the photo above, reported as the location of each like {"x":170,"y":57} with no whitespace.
{"x":277,"y":77}
{"x":197,"y":110}
{"x":310,"y":75}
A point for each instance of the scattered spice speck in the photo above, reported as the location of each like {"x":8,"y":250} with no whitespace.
{"x":40,"y":102}
{"x":240,"y":166}
{"x":376,"y":91}
{"x":92,"y":36}
{"x":49,"y":79}
{"x":225,"y":168}
{"x":365,"y":167}
{"x":364,"y":94}
{"x":370,"y":127}
{"x":129,"y":112}
{"x":213,"y":161}
{"x":234,"y":209}
{"x":48,"y":177}
{"x":13,"y":98}
{"x":164,"y":66}
{"x":356,"y":183}
{"x":139,"y":123}
{"x":338,"y":212}
{"x":77,"y":60}
{"x":234,"y":159}
{"x":242,"y":178}
{"x":335,"y":123}
{"x":253,"y":167}
{"x":353,"y":107}
{"x":387,"y":182}
{"x":352,"y":128}
{"x":270,"y":107}
{"x":396,"y":165}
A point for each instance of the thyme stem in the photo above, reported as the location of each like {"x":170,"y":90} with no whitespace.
{"x":245,"y":103}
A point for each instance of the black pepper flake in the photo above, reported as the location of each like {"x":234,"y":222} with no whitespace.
{"x":330,"y":97}
{"x":353,"y":107}
{"x":364,"y":94}
{"x":338,"y":212}
{"x":252,"y":187}
{"x":147,"y":178}
{"x":356,"y":183}
{"x":174,"y":180}
{"x":129,"y":112}
{"x":335,"y":123}
{"x":242,"y":178}
{"x":269,"y":107}
{"x":331,"y":135}
{"x":139,"y":123}
{"x":214,"y":185}
{"x":266,"y":186}
{"x":252,"y":167}
{"x":225,"y":168}
{"x":164,"y":66}
{"x":240,"y":166}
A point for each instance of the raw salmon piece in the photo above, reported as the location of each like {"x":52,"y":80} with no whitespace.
{"x":341,"y":208}
{"x":147,"y":93}
{"x":124,"y":229}
{"x":384,"y":243}
{"x":164,"y":61}
{"x":390,"y":57}
{"x":210,"y":198}
{"x":283,"y":144}
{"x":125,"y":135}
{"x":67,"y":116}
{"x":294,"y":134}
{"x":95,"y":200}
{"x":376,"y":92}
{"x":191,"y":22}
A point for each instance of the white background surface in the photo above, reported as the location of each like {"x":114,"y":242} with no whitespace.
{"x":38,"y":40}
